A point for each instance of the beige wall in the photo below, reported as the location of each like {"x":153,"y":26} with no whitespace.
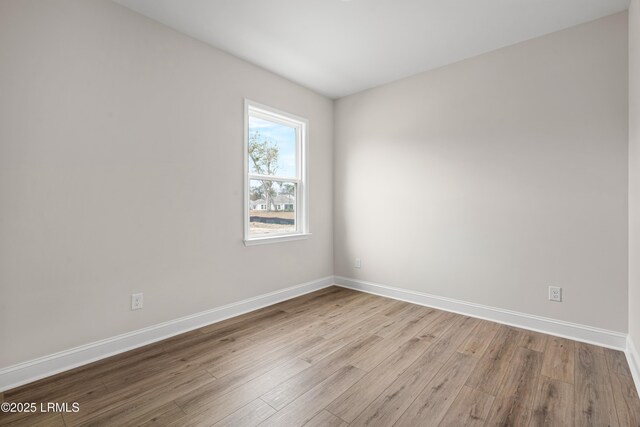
{"x":490,"y":179}
{"x":634,"y":172}
{"x":121,"y":170}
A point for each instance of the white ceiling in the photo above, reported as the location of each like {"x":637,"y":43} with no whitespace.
{"x":339,"y":47}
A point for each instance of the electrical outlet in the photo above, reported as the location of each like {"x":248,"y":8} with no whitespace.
{"x":357,"y":264}
{"x":555,"y":293}
{"x":136,"y":301}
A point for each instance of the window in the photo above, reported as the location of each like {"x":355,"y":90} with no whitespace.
{"x":275,"y":179}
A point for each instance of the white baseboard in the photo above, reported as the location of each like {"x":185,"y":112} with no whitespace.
{"x":574,"y":331}
{"x":23,"y":373}
{"x":633,"y":358}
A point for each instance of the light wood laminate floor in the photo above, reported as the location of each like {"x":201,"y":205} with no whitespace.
{"x":337,"y":357}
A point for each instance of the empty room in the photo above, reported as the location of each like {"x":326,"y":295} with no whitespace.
{"x":320,"y":213}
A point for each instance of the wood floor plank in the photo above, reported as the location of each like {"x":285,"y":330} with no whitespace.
{"x":93,"y":403}
{"x":245,"y":359}
{"x":396,"y":308}
{"x":431,"y":406}
{"x":438,"y":325}
{"x":479,"y":339}
{"x":533,"y":340}
{"x":366,"y":307}
{"x":343,"y":312}
{"x":239,"y":377}
{"x":59,"y":390}
{"x":376,"y":354}
{"x":553,"y":405}
{"x":415,"y":325}
{"x":80,"y":394}
{"x":353,"y":401}
{"x":136,"y":408}
{"x":245,"y":323}
{"x":323,"y":305}
{"x":115,"y":380}
{"x":494,"y":364}
{"x":249,"y":415}
{"x":266,"y":333}
{"x":405,"y":330}
{"x":333,"y":343}
{"x":325,"y":419}
{"x":299,"y":384}
{"x":407,"y":318}
{"x":133,"y":417}
{"x":314,"y":298}
{"x":165,"y":418}
{"x":206,"y":407}
{"x":390,"y":405}
{"x":470,"y":408}
{"x":182,"y":340}
{"x":318,"y":298}
{"x":299,"y":326}
{"x":250,"y":329}
{"x":450,"y":339}
{"x":203,"y":348}
{"x":39,"y":419}
{"x":559,"y":359}
{"x":593,"y":399}
{"x":88,"y":377}
{"x":315,"y":319}
{"x":409,"y":322}
{"x":303,"y":409}
{"x":617,"y":362}
{"x":626,"y":399}
{"x":217,"y":403}
{"x":56,"y":421}
{"x":373,"y":319}
{"x":513,"y":404}
{"x":591,"y":347}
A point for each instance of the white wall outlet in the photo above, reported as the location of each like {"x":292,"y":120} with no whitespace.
{"x":136,"y":301}
{"x":358,"y":263}
{"x":555,"y":293}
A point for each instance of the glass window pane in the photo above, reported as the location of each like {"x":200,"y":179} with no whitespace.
{"x":272,"y":148}
{"x":272,"y":207}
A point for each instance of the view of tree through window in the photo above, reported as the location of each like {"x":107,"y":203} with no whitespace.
{"x":274,"y":176}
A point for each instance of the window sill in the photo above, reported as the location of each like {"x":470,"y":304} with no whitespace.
{"x":276,"y":239}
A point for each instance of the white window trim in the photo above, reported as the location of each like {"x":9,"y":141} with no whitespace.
{"x":302,"y":179}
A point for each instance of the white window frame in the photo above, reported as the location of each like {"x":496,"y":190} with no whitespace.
{"x":301,"y":125}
